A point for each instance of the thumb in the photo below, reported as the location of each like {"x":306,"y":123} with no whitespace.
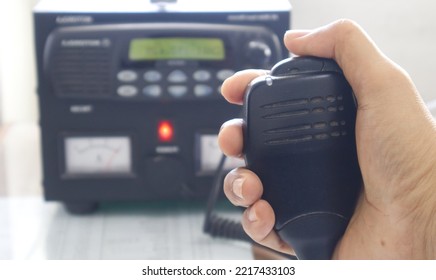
{"x":366,"y":68}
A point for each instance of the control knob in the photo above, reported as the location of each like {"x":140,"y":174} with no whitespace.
{"x":258,"y":54}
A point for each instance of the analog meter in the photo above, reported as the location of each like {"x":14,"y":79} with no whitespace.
{"x":103,"y":155}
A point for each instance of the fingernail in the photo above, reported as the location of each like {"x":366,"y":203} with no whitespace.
{"x":252,"y":217}
{"x":294,"y":34}
{"x":237,"y":187}
{"x":289,"y":32}
{"x":222,"y":126}
{"x":231,"y":122}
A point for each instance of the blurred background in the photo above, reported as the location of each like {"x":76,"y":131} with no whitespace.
{"x":404,"y":30}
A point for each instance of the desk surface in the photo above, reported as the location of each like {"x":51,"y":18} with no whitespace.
{"x":31,"y":228}
{"x":34,"y":229}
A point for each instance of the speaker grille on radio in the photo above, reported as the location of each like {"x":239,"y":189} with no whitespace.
{"x":81,"y":72}
{"x":304,"y":119}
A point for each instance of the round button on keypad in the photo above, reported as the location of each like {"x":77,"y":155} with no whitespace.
{"x":177,"y":91}
{"x":202,"y":75}
{"x":127,"y":91}
{"x":224,"y":74}
{"x":154,"y":91}
{"x":152,"y":76}
{"x":202,"y":90}
{"x":177,"y":76}
{"x":127,"y":76}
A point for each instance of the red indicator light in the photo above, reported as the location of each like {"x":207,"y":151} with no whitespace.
{"x":165,"y":131}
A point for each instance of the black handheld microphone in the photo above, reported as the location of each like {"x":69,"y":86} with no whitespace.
{"x":299,"y":138}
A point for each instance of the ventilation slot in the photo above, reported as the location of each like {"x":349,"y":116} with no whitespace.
{"x":290,"y":140}
{"x":288,"y":129}
{"x":287,"y":114}
{"x":318,"y":131}
{"x":286,"y":103}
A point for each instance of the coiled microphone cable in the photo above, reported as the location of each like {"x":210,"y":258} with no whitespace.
{"x":218,"y":226}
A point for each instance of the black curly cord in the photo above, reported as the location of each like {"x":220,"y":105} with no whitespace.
{"x":217,"y":226}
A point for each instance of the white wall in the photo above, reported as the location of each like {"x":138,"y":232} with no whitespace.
{"x":1,"y":88}
{"x":405,"y":30}
{"x":17,"y":66}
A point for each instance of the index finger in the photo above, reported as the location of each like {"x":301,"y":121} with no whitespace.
{"x":366,"y":68}
{"x":234,"y":87}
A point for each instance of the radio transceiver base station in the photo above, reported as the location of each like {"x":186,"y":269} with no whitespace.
{"x":129,"y":92}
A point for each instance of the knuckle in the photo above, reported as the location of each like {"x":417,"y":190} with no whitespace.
{"x":346,"y":25}
{"x":345,"y":29}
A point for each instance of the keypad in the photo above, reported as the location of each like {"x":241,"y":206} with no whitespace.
{"x":169,"y":83}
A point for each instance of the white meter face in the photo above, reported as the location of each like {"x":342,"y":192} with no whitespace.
{"x":98,"y":155}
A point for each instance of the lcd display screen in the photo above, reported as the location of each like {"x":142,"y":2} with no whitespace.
{"x":176,"y":48}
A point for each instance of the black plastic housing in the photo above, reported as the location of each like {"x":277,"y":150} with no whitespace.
{"x":299,"y":133}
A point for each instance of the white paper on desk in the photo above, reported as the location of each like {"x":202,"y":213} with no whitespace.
{"x":43,"y":230}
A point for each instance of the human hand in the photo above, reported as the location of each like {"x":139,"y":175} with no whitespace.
{"x":395,"y":217}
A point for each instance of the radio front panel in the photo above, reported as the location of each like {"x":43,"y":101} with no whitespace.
{"x":148,"y":62}
{"x":130,"y":103}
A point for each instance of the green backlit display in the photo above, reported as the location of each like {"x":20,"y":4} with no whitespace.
{"x":176,"y":48}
